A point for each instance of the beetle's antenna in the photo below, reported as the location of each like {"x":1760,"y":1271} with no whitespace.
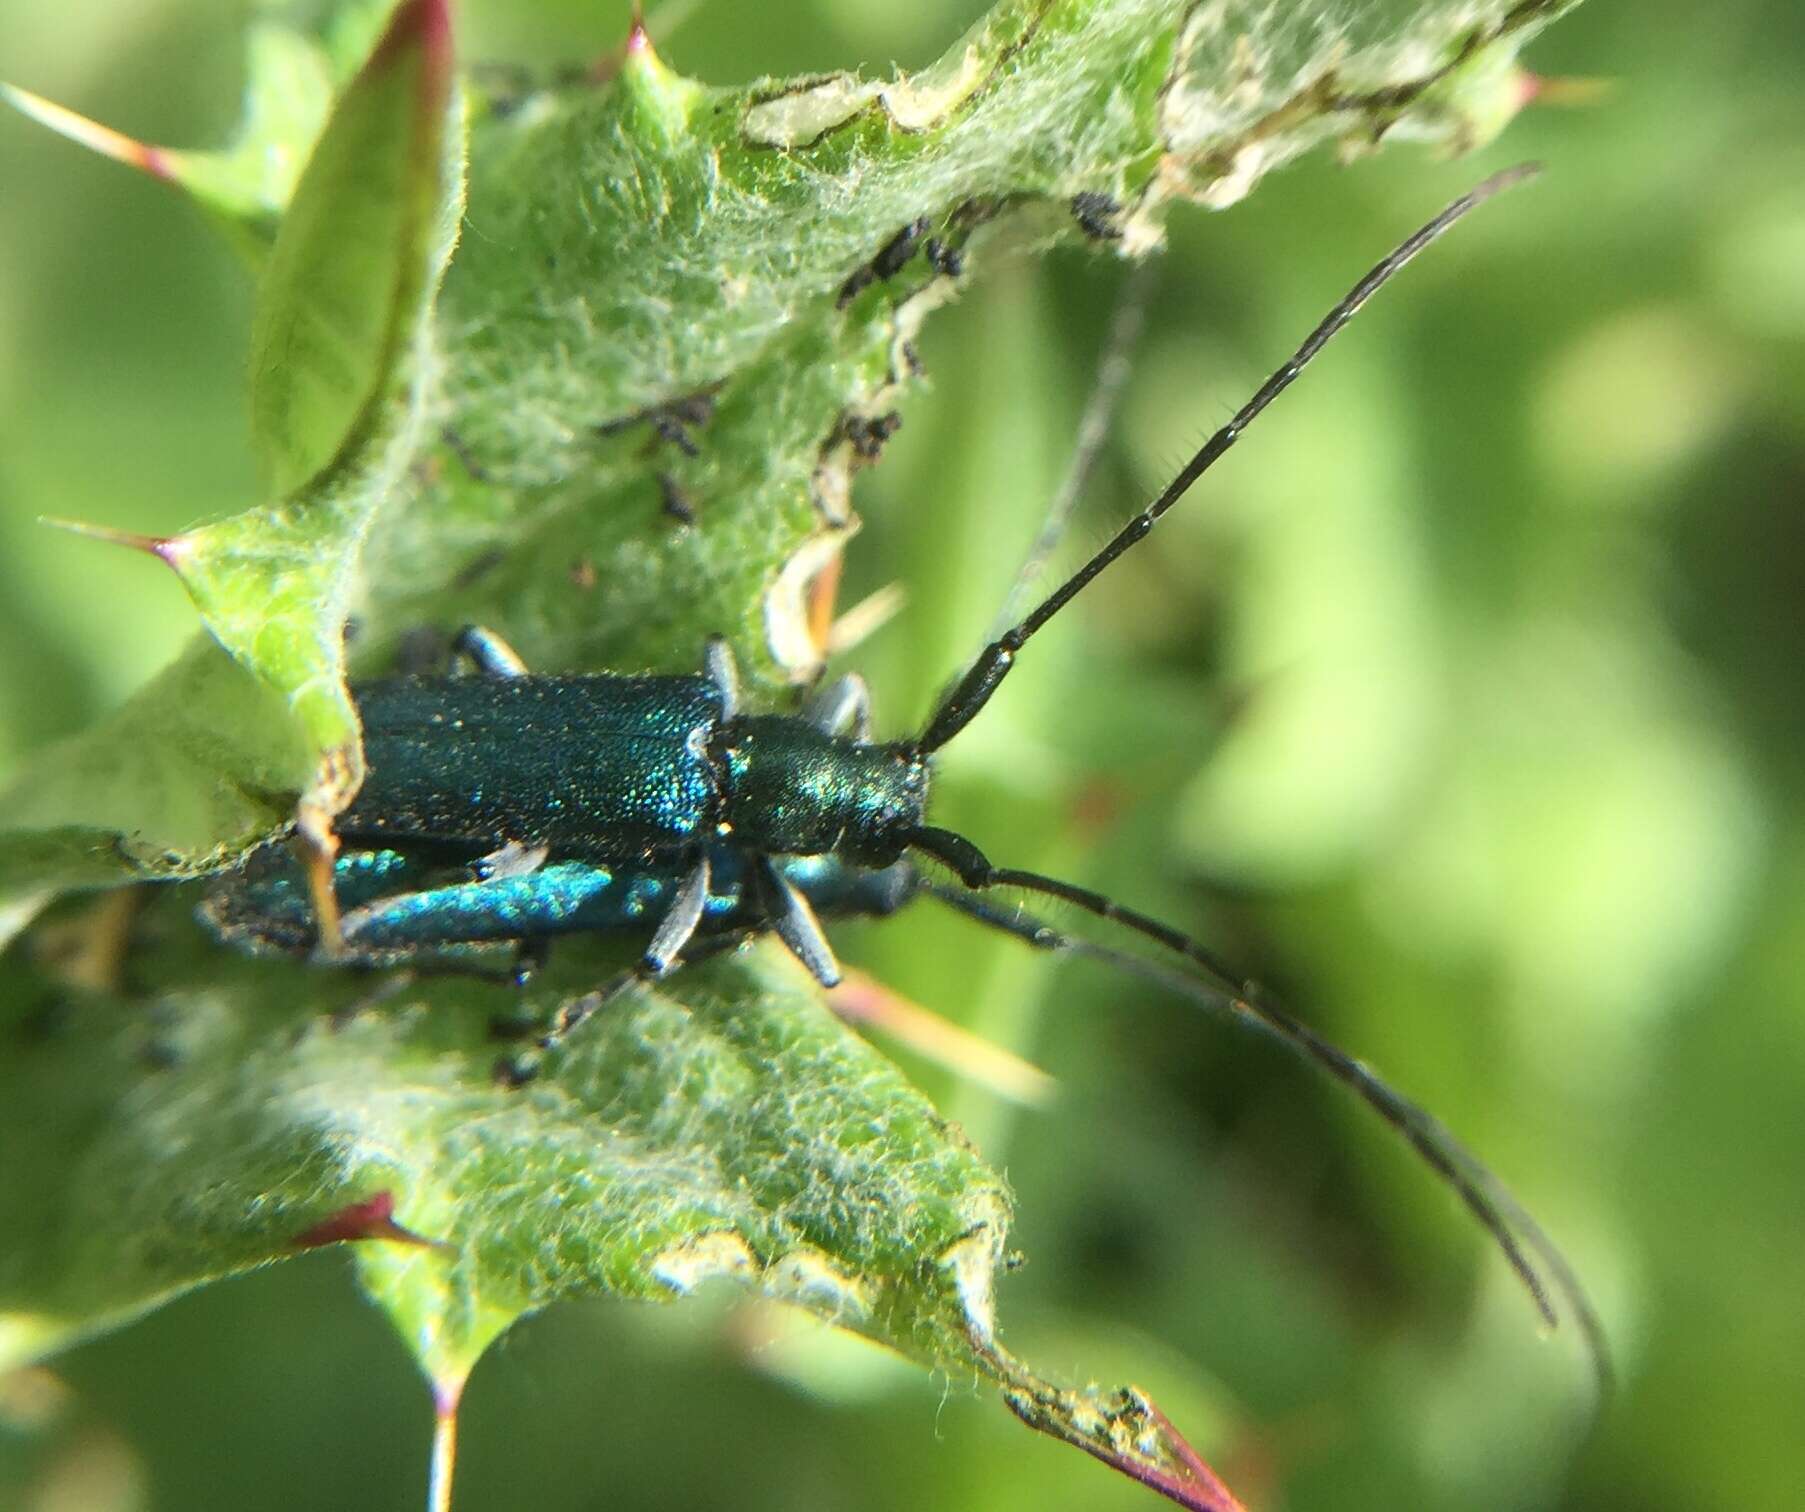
{"x":974,"y":689}
{"x":1114,"y":366}
{"x":1526,"y":1246}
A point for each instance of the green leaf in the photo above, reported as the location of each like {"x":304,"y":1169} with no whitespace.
{"x":669,"y":307}
{"x":152,"y":788}
{"x":741,"y":1131}
{"x":209,"y":760}
{"x":341,"y":291}
{"x":654,"y":242}
{"x":729,"y":1129}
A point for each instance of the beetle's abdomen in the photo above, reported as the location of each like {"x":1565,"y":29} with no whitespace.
{"x":613,"y":766}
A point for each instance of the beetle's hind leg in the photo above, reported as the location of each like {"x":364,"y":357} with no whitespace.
{"x":531,"y":956}
{"x":492,"y":657}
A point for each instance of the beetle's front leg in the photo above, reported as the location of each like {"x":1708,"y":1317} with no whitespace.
{"x":487,"y":652}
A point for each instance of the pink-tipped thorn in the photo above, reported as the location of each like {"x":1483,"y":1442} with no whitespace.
{"x":445,"y":1395}
{"x":424,"y":25}
{"x":1179,"y":1473}
{"x":373,"y":1218}
{"x":1198,"y":1473}
{"x":666,"y":19}
{"x":864,"y":1001}
{"x":90,"y":134}
{"x":1567,"y":93}
{"x":172,"y":550}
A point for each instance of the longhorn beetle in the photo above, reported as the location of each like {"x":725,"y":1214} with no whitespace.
{"x":510,"y":807}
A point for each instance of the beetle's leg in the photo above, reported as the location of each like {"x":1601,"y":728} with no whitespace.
{"x":794,"y":920}
{"x":518,"y":1070}
{"x":724,"y":673}
{"x":575,"y":1012}
{"x":488,"y":652}
{"x":843,"y":705}
{"x":514,"y":1071}
{"x":679,"y":922}
{"x":514,"y":859}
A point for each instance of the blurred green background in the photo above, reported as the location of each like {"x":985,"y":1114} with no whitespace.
{"x":1463,"y":706}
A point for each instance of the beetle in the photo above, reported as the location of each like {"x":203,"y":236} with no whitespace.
{"x":509,"y":806}
{"x":664,"y":770}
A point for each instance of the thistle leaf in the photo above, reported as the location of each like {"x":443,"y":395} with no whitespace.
{"x":628,"y":416}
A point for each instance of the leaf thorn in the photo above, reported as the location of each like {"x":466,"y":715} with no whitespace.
{"x":444,"y":1446}
{"x":172,"y":550}
{"x":90,"y":134}
{"x":863,"y":1000}
{"x":373,"y":1218}
{"x":1567,"y":93}
{"x":1129,"y":1434}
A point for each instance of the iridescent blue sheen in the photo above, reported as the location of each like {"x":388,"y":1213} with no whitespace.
{"x":620,"y":784}
{"x":397,"y":902}
{"x":610,"y":769}
{"x":570,"y":897}
{"x":611,"y":766}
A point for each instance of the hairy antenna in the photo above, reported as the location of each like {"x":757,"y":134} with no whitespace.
{"x":1114,"y":366}
{"x":1534,"y":1257}
{"x":974,"y":689}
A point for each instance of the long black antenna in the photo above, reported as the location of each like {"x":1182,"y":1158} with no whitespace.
{"x":1526,"y":1246}
{"x":1114,"y":366}
{"x":986,"y":674}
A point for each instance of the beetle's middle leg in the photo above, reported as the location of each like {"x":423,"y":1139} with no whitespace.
{"x":663,"y":955}
{"x":570,"y":1017}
